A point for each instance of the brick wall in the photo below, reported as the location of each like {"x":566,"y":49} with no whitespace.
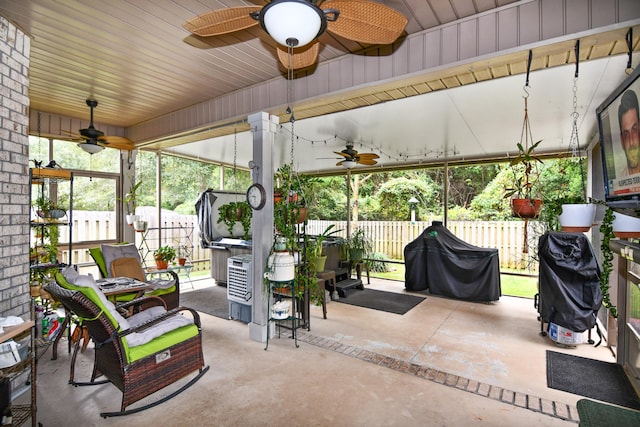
{"x":14,"y":171}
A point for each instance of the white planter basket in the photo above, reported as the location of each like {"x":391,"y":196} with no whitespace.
{"x":625,"y":226}
{"x":577,"y":217}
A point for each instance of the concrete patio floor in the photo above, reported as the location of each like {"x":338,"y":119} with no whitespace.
{"x":444,"y":363}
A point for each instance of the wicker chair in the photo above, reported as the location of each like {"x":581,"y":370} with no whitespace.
{"x":169,"y":289}
{"x":136,"y":370}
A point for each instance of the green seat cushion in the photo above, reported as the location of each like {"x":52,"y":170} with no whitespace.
{"x":158,"y":292}
{"x":160,"y":343}
{"x":96,"y":254}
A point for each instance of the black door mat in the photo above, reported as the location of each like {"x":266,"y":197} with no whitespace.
{"x":391,"y":302}
{"x":604,"y":381}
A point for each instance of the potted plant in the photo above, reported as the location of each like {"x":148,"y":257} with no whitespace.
{"x":525,"y":202}
{"x":358,"y":246}
{"x":182,"y":259}
{"x":130,"y":200}
{"x":233,"y":212}
{"x":318,"y":246}
{"x":46,"y":208}
{"x":163,"y":256}
{"x":566,"y":206}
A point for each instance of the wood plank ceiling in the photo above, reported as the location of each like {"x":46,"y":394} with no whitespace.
{"x":135,"y":58}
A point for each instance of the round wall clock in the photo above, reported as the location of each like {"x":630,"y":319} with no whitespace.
{"x":256,"y":196}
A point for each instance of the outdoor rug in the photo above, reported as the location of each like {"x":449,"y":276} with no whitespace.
{"x":381,"y":300}
{"x":604,"y":381}
{"x":210,"y":300}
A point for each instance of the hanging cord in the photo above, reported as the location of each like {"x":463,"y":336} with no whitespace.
{"x":629,"y":39}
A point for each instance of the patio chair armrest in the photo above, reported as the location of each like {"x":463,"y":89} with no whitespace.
{"x":141,"y":327}
{"x":141,"y":303}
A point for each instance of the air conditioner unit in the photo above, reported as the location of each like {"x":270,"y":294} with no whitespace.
{"x":239,"y":287}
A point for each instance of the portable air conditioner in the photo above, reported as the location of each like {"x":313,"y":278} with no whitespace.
{"x":239,"y":287}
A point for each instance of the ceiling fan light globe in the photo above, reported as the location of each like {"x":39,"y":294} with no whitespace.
{"x":91,"y":148}
{"x":349,"y":164}
{"x":293,"y":23}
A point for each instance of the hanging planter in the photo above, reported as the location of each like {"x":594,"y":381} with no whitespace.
{"x":625,"y":226}
{"x":577,"y":217}
{"x":526,"y":208}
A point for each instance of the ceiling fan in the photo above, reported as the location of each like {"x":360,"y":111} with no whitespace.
{"x":93,"y":140}
{"x":297,"y":24}
{"x":352,"y":157}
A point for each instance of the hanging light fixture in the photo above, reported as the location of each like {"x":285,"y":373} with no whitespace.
{"x":294,"y":23}
{"x":91,"y":147}
{"x":349,"y":164}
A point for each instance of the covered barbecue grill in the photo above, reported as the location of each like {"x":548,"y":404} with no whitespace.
{"x":448,"y":266}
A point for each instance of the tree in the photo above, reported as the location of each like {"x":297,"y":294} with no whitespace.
{"x":393,"y":197}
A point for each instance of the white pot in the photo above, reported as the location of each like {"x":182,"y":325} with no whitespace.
{"x":132,"y":218}
{"x":625,"y":226}
{"x":140,"y":225}
{"x":577,"y":217}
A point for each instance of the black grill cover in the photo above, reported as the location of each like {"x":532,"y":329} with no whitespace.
{"x":569,"y":281}
{"x":450,"y":267}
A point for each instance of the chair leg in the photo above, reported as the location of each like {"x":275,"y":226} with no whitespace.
{"x":122,"y":412}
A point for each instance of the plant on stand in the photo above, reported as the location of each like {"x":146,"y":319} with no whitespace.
{"x":318,"y":246}
{"x":130,"y":200}
{"x":163,"y":256}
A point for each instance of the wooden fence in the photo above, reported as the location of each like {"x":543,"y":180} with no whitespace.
{"x":389,"y":237}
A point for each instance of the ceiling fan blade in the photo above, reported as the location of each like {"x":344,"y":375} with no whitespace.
{"x":368,"y":162}
{"x":345,"y":155}
{"x":366,"y":21}
{"x":119,"y":142}
{"x":222,"y":21}
{"x":368,"y":156}
{"x":303,"y":57}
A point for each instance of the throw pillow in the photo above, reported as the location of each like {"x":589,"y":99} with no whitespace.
{"x":112,"y":252}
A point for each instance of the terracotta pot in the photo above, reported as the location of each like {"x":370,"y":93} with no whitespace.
{"x":526,"y":208}
{"x":161,"y":265}
{"x":302,"y":214}
{"x":577,"y":217}
{"x":182,"y":261}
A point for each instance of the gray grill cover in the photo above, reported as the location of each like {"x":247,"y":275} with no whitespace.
{"x":569,"y":281}
{"x":450,"y":267}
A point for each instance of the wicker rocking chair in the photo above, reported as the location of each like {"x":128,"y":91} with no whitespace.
{"x":137,"y":368}
{"x":127,"y":264}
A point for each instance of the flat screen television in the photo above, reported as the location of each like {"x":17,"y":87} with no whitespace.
{"x":619,"y":128}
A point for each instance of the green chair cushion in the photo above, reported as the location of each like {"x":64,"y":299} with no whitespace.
{"x":160,"y":343}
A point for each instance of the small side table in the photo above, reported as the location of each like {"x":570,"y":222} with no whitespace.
{"x":329,"y":276}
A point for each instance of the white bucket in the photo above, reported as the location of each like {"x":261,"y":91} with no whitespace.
{"x":281,"y":267}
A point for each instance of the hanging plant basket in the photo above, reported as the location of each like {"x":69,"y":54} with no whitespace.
{"x":625,"y":226}
{"x":576,"y":217}
{"x":526,"y":208}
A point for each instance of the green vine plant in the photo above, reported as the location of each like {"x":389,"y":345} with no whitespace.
{"x":606,"y":228}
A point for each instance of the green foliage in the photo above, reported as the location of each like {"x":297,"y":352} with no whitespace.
{"x":233,"y":212}
{"x":606,"y":228}
{"x":375,"y":265}
{"x":394,"y":195}
{"x":526,"y":175}
{"x":358,"y":245}
{"x":165,"y":253}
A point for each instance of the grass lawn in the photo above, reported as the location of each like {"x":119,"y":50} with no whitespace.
{"x":511,"y":284}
